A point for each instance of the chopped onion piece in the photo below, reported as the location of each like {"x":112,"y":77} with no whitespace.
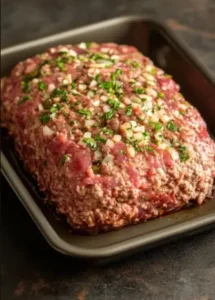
{"x":151,"y":92}
{"x":96,"y":103}
{"x":97,"y":155}
{"x":106,"y":108}
{"x":82,"y":46}
{"x":87,"y":135}
{"x":117,"y":138}
{"x":165,"y":118}
{"x":89,"y":123}
{"x":47,"y":131}
{"x":93,"y":83}
{"x":51,"y":87}
{"x":103,"y":98}
{"x":174,"y":154}
{"x":108,"y":160}
{"x":82,"y":87}
{"x":72,"y":52}
{"x":149,"y":77}
{"x":109,"y":143}
{"x":40,"y":107}
{"x":130,"y":150}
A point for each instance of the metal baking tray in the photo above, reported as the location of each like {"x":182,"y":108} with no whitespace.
{"x":156,"y":41}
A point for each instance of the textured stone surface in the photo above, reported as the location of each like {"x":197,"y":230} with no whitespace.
{"x":184,"y":270}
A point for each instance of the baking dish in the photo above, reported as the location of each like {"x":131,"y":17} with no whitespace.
{"x":156,"y":41}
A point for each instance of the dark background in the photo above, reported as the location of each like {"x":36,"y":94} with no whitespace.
{"x":184,"y":270}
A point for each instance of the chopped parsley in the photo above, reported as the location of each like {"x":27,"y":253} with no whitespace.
{"x":129,"y":110}
{"x":59,"y":93}
{"x":150,"y":149}
{"x":153,"y":71}
{"x":145,"y":134}
{"x":172,"y":126}
{"x":60,"y":64}
{"x":23,"y":100}
{"x":64,"y":159}
{"x":55,"y":107}
{"x":25,"y":86}
{"x":91,"y":143}
{"x":63,"y":52}
{"x":107,"y":131}
{"x":109,"y":115}
{"x":183,"y":154}
{"x":160,"y":95}
{"x":101,"y":139}
{"x":42,"y":86}
{"x":158,"y":126}
{"x":88,"y":44}
{"x":107,"y":85}
{"x":135,"y":64}
{"x":113,"y":103}
{"x":96,"y":56}
{"x":182,"y":112}
{"x":97,"y":77}
{"x":84,"y":112}
{"x":139,"y":90}
{"x":116,"y":73}
{"x":44,"y":118}
{"x":73,"y":85}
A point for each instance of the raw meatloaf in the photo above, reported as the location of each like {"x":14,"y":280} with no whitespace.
{"x":107,"y":134}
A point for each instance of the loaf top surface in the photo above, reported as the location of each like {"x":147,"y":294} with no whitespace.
{"x":110,"y":122}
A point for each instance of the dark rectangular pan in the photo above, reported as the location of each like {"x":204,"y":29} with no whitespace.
{"x":155,"y":41}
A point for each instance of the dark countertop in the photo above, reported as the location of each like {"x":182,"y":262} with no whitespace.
{"x":184,"y":270}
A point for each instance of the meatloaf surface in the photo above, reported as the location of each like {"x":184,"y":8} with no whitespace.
{"x":107,"y":134}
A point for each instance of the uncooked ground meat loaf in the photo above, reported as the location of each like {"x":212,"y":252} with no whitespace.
{"x":109,"y":137}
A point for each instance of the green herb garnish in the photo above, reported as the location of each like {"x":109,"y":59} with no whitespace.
{"x":158,"y":126}
{"x":84,"y":112}
{"x":129,"y":110}
{"x":160,"y":95}
{"x":109,"y":115}
{"x":25,"y":86}
{"x":91,"y":143}
{"x":172,"y":127}
{"x":145,"y":134}
{"x":150,"y":149}
{"x":107,"y":131}
{"x":116,"y":73}
{"x":55,"y":108}
{"x":113,"y":103}
{"x":73,"y":85}
{"x":88,"y":44}
{"x":23,"y":100}
{"x":139,"y":90}
{"x":42,"y":86}
{"x":60,"y":64}
{"x":183,"y":154}
{"x":101,"y":139}
{"x":135,"y":64}
{"x":64,"y":159}
{"x":44,"y":118}
{"x":182,"y":112}
{"x":96,"y":56}
{"x":153,"y":71}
